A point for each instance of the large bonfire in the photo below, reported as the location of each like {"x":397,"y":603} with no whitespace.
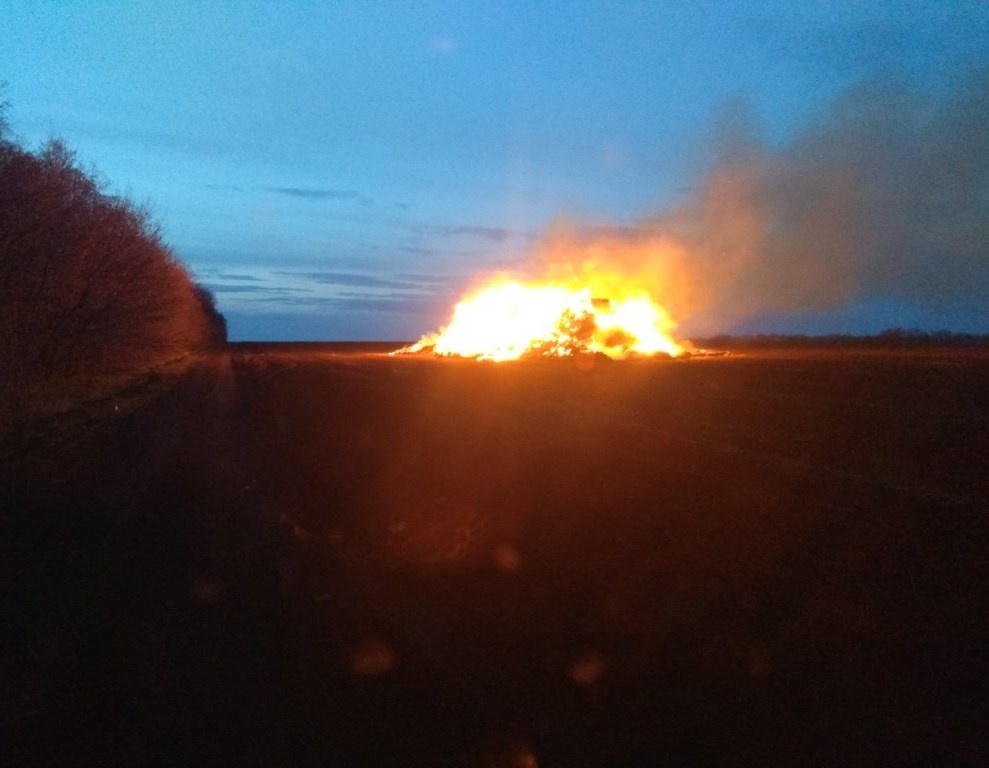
{"x":508,"y":319}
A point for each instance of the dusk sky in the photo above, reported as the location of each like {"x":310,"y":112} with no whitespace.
{"x":343,"y":170}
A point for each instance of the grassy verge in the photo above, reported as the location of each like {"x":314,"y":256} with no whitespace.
{"x":51,"y":413}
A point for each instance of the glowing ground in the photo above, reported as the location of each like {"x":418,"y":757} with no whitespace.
{"x":302,"y":555}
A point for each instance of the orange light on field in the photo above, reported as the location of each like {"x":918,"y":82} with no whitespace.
{"x":509,"y":320}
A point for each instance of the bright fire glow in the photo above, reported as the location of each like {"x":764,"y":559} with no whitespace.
{"x":508,"y":320}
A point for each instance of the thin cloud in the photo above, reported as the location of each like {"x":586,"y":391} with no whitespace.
{"x":482,"y":231}
{"x":240,"y":278}
{"x":313,"y":193}
{"x":348,"y":279}
{"x":302,"y":193}
{"x":418,"y":277}
{"x":419,"y":250}
{"x":219,"y":274}
{"x":363,"y":303}
{"x":255,"y":289}
{"x":494,"y":234}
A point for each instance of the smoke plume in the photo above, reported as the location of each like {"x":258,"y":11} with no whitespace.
{"x":885,"y":195}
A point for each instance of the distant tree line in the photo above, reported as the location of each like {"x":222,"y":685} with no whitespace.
{"x":87,"y":286}
{"x":889,"y":338}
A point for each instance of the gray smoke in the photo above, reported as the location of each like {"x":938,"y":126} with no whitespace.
{"x":884,"y":196}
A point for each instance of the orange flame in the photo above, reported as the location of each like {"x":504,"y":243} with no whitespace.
{"x":508,"y":320}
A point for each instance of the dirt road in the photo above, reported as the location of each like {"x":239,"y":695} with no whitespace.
{"x":299,"y":557}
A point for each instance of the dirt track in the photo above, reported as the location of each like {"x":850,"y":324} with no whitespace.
{"x":297,"y":557}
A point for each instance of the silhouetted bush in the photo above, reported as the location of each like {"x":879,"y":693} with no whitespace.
{"x":88,"y":286}
{"x":216,"y":323}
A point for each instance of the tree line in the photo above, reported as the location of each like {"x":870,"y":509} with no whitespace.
{"x":87,"y":285}
{"x":887,"y":339}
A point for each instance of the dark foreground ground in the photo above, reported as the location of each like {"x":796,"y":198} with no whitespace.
{"x":293,"y":557}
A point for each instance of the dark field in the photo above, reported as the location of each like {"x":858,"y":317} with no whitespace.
{"x":301,"y":557}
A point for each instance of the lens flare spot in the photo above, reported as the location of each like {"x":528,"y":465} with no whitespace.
{"x":587,"y":670}
{"x":373,"y":659}
{"x":506,"y":558}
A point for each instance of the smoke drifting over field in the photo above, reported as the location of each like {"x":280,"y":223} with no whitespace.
{"x":884,"y":195}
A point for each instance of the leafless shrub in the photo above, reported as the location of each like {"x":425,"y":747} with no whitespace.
{"x":88,"y":286}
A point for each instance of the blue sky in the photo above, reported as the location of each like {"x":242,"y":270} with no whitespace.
{"x":342,"y":170}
